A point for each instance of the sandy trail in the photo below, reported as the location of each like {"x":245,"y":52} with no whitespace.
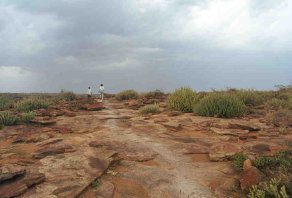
{"x":176,"y":174}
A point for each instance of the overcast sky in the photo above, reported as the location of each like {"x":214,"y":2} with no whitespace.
{"x":49,"y":45}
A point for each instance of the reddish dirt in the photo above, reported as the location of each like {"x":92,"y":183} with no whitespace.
{"x":134,"y":156}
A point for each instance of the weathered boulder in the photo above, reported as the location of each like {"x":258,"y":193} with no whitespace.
{"x":219,"y":151}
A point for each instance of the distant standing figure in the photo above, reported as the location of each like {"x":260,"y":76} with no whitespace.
{"x":101,"y":91}
{"x":89,"y":92}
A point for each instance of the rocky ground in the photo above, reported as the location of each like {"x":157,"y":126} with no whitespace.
{"x":112,"y":151}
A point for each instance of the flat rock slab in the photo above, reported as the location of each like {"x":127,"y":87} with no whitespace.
{"x":105,"y":190}
{"x":233,"y":132}
{"x":219,"y":151}
{"x":93,"y":107}
{"x":173,"y":126}
{"x":12,"y":190}
{"x":49,"y":141}
{"x":138,"y":156}
{"x":62,"y":129}
{"x":19,"y":186}
{"x":72,"y":172}
{"x":260,"y":148}
{"x":18,"y":139}
{"x":44,"y":152}
{"x":196,"y":149}
{"x":244,"y":125}
{"x":43,"y":122}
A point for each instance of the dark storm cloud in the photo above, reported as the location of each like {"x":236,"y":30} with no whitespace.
{"x":70,"y":44}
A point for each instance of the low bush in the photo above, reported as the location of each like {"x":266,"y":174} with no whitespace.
{"x":1,"y":126}
{"x":5,"y":103}
{"x":251,"y":97}
{"x":272,"y":189}
{"x":281,"y":159}
{"x":222,"y":105}
{"x":289,"y":103}
{"x":284,"y":92}
{"x":127,"y":95}
{"x":28,"y":116}
{"x":151,"y":108}
{"x":32,"y":103}
{"x":154,"y":94}
{"x":7,"y":118}
{"x":275,"y":103}
{"x":237,"y":161}
{"x":67,"y":95}
{"x":181,"y":100}
{"x":280,"y":118}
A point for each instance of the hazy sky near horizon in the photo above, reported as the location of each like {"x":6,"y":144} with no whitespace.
{"x":49,"y":45}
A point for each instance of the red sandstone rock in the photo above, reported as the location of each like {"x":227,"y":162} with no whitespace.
{"x":220,"y":151}
{"x":251,"y":176}
{"x":48,"y":151}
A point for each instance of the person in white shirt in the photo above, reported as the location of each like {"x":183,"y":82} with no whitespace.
{"x":89,"y":92}
{"x":101,"y":91}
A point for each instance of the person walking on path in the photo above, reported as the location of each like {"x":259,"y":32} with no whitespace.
{"x":101,"y":91}
{"x":89,"y":92}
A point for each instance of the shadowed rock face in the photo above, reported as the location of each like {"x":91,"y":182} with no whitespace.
{"x":112,"y":147}
{"x":16,"y":181}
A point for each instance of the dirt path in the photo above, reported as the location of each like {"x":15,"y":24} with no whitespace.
{"x":169,"y":175}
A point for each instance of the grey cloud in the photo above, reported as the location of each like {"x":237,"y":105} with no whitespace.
{"x":126,"y":46}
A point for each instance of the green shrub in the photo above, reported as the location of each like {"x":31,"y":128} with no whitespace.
{"x":154,"y":94}
{"x":7,"y":118}
{"x":271,"y":189}
{"x":275,"y":103}
{"x":67,"y":95}
{"x":32,"y":103}
{"x":237,"y":161}
{"x":1,"y":126}
{"x":95,"y":183}
{"x":5,"y":103}
{"x":127,"y":95}
{"x":219,"y":105}
{"x":28,"y":116}
{"x":181,"y":100}
{"x":281,"y":159}
{"x":251,"y":97}
{"x":280,"y":118}
{"x":152,"y":108}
